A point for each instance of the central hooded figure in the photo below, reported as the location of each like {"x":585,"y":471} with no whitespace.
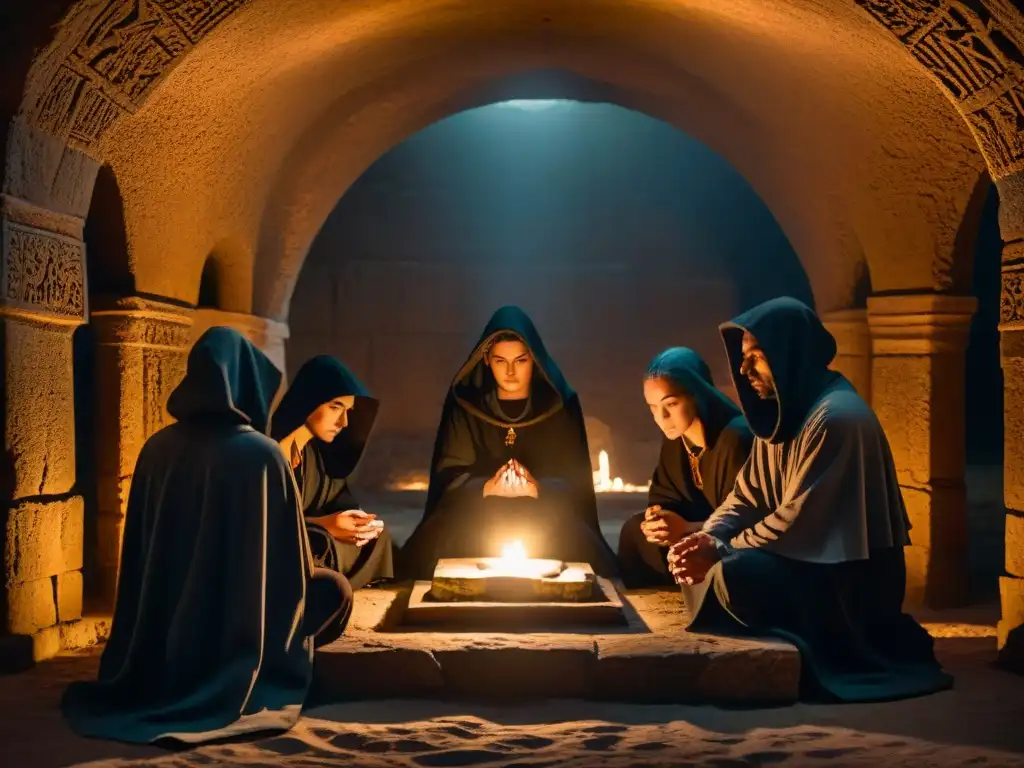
{"x":511,"y":461}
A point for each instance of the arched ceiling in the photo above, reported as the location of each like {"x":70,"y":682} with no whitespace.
{"x":263,"y":122}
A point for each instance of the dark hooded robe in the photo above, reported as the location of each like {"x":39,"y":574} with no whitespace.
{"x":478,"y":434}
{"x":814,"y":530}
{"x":689,"y":480}
{"x":217,"y":601}
{"x":325,"y":470}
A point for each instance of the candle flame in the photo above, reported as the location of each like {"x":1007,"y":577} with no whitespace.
{"x":605,"y":483}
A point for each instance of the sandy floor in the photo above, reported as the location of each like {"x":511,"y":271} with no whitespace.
{"x":980,"y":723}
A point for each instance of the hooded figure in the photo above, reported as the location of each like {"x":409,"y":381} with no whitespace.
{"x":218,"y":601}
{"x":809,"y":545}
{"x":326,"y":398}
{"x":706,"y":442}
{"x":510,"y":460}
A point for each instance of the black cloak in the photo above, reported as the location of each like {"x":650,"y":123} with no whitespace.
{"x":473,"y":443}
{"x":674,"y":485}
{"x":326,"y":470}
{"x":816,"y":524}
{"x":208,"y":637}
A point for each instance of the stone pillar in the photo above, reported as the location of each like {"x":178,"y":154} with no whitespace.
{"x":918,"y":391}
{"x":141,"y":349}
{"x":853,"y":339}
{"x":42,"y":302}
{"x":1011,"y":586}
{"x":268,"y":335}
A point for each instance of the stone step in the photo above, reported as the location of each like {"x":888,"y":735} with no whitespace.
{"x":652,"y":660}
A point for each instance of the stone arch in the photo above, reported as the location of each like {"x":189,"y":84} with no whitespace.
{"x":95,"y":74}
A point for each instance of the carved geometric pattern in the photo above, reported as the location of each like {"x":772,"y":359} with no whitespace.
{"x":122,"y":55}
{"x":975,"y":60}
{"x":42,"y":271}
{"x":1011,"y":301}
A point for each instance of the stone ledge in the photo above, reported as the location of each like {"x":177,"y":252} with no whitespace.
{"x":652,"y":660}
{"x":19,"y":653}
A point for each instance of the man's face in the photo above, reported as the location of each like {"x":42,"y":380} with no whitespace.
{"x":755,"y":367}
{"x":330,"y":418}
{"x":673,"y":409}
{"x":512,"y":366}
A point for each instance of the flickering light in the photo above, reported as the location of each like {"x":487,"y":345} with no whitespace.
{"x":605,"y":483}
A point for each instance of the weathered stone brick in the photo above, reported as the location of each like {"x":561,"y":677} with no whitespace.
{"x":44,"y":539}
{"x":46,"y":643}
{"x":30,"y":607}
{"x":69,"y":596}
{"x":1015,"y":544}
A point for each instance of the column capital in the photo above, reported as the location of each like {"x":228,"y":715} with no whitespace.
{"x":850,"y":329}
{"x":137,"y":322}
{"x":259,"y":330}
{"x":920,"y":324}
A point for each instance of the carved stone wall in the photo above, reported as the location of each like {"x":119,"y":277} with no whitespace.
{"x":141,"y":350}
{"x":1011,"y":327}
{"x":42,"y":301}
{"x":853,"y":342}
{"x":111,"y":56}
{"x":972,"y":48}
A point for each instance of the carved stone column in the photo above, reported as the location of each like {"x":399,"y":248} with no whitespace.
{"x":1011,"y":585}
{"x":853,"y":339}
{"x":42,"y":302}
{"x":141,"y":349}
{"x":268,"y":335}
{"x":918,"y":390}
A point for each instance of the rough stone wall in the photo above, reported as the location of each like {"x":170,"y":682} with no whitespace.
{"x":603,"y":331}
{"x":1011,"y":586}
{"x":42,"y":301}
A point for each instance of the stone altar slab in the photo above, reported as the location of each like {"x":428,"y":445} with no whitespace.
{"x":603,"y":607}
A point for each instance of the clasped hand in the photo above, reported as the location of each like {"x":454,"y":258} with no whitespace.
{"x":664,"y":527}
{"x":353,"y":526}
{"x":690,"y":560}
{"x":510,"y":481}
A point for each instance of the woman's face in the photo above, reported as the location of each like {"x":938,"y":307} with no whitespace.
{"x":331,"y":417}
{"x":672,"y":407}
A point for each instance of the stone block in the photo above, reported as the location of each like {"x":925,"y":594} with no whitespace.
{"x":39,"y":429}
{"x":69,"y":596}
{"x":44,"y":538}
{"x":84,"y":633}
{"x":1011,"y":600}
{"x":46,"y":643}
{"x":358,"y":668}
{"x":538,"y":667}
{"x":688,"y":668}
{"x":937,"y":557}
{"x":1014,"y":543}
{"x":30,"y":607}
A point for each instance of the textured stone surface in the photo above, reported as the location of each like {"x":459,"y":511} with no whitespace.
{"x":141,"y":92}
{"x":69,"y":596}
{"x":31,"y":607}
{"x":39,"y":429}
{"x":918,"y":342}
{"x":653,"y":659}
